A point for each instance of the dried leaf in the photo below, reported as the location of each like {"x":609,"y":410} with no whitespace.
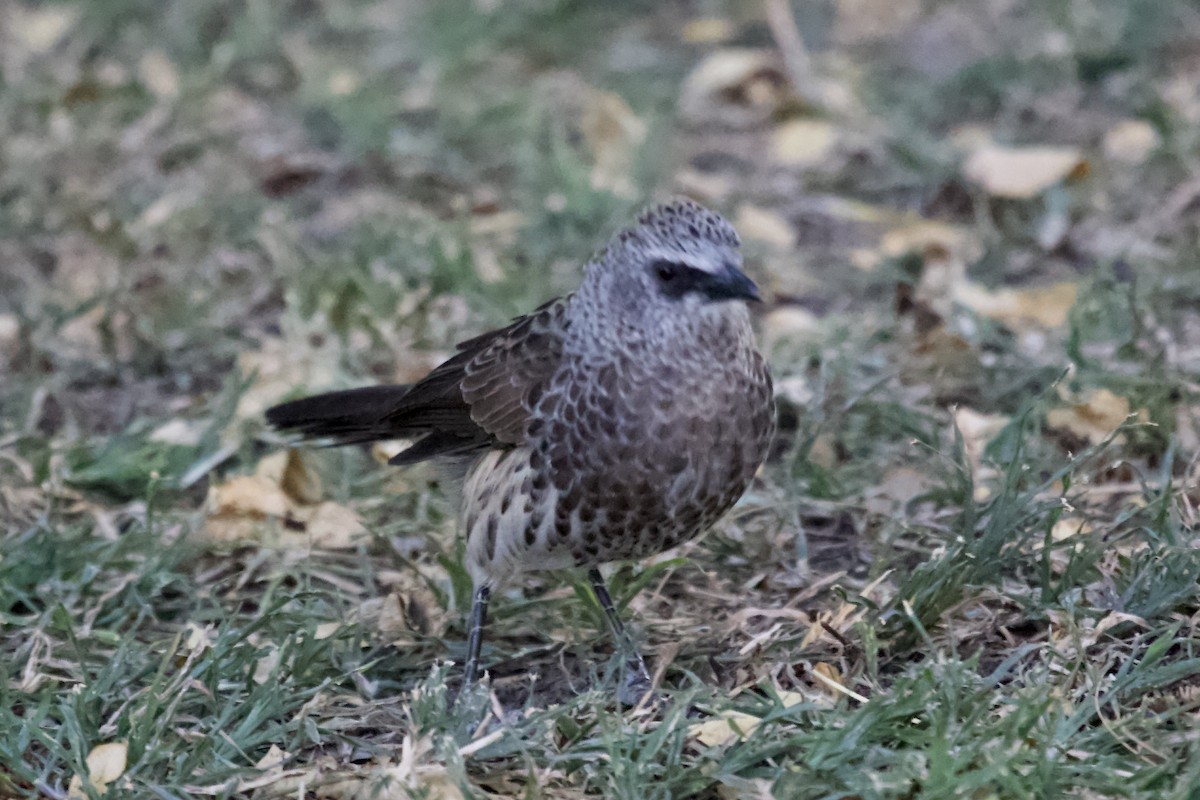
{"x":831,"y":679}
{"x":789,"y":324}
{"x":1094,"y":416}
{"x":282,"y":364}
{"x":977,"y":429}
{"x":158,"y":73}
{"x":343,"y":82}
{"x":613,"y":134}
{"x":391,"y":616}
{"x":932,"y":241}
{"x":944,"y":250}
{"x":183,"y":432}
{"x":198,"y":638}
{"x":898,"y":487}
{"x":1130,"y":141}
{"x":707,"y":30}
{"x":274,"y":758}
{"x":1187,"y":427}
{"x":250,"y":496}
{"x":299,"y":480}
{"x":41,"y":27}
{"x":823,"y":450}
{"x":724,"y":729}
{"x":265,"y":666}
{"x":331,"y":526}
{"x":736,"y":84}
{"x":1047,"y":306}
{"x":87,"y":269}
{"x":326,"y":629}
{"x":762,"y":225}
{"x":1069,"y":526}
{"x":729,"y":726}
{"x":804,"y":142}
{"x":732,"y":787}
{"x":859,"y":21}
{"x":105,"y":763}
{"x":10,"y":332}
{"x":711,"y":187}
{"x":418,"y":773}
{"x":281,"y":490}
{"x":1020,"y":173}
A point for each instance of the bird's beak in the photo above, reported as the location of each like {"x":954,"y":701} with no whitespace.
{"x":732,"y":284}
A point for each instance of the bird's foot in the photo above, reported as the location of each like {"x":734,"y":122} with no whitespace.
{"x":636,"y":687}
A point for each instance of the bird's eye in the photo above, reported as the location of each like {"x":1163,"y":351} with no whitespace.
{"x":667,"y":271}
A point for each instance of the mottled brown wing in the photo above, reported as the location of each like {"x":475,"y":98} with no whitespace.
{"x":484,"y":395}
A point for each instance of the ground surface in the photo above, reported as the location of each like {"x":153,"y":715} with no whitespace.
{"x":968,"y":571}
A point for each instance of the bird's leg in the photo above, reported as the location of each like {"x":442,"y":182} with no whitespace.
{"x":479,"y":606}
{"x":640,"y":682}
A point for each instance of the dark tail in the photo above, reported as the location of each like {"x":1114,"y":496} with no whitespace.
{"x":348,"y":417}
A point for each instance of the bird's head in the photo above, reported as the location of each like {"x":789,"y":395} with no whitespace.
{"x":679,"y":259}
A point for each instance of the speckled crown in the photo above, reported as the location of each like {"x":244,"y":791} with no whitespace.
{"x":679,"y":221}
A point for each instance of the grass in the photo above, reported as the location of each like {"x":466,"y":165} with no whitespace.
{"x":969,"y":569}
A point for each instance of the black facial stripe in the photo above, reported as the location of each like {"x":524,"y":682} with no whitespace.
{"x":676,"y":279}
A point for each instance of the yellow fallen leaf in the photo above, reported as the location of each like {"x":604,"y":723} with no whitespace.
{"x":944,"y":249}
{"x":331,"y":526}
{"x":707,"y":30}
{"x":343,"y":82}
{"x":158,"y":73}
{"x":1182,"y":95}
{"x":1187,"y":431}
{"x":763,"y":225}
{"x":789,"y":324}
{"x":487,"y":263}
{"x":745,"y":77}
{"x":41,"y":27}
{"x":10,"y":332}
{"x":613,"y":134}
{"x":948,"y":361}
{"x":1068,"y":526}
{"x":725,"y":728}
{"x":823,"y":451}
{"x":968,"y":138}
{"x":85,"y":268}
{"x":326,"y":629}
{"x":898,"y":487}
{"x":1094,"y":416}
{"x":977,"y":430}
{"x":105,"y":764}
{"x":282,"y":491}
{"x":251,"y":496}
{"x":1130,"y":141}
{"x":198,"y":638}
{"x":932,"y":241}
{"x":1020,"y":173}
{"x":299,"y":480}
{"x":711,"y":187}
{"x":392,"y":620}
{"x":729,"y":726}
{"x":858,"y":21}
{"x":186,"y":432}
{"x":1047,"y":306}
{"x":266,"y":665}
{"x":281,"y":364}
{"x":273,"y":759}
{"x":97,"y":333}
{"x":803,"y":142}
{"x":830,"y":675}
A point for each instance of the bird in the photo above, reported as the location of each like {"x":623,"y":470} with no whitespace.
{"x":609,"y":424}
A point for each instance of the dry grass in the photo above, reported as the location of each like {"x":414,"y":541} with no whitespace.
{"x":968,"y":571}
